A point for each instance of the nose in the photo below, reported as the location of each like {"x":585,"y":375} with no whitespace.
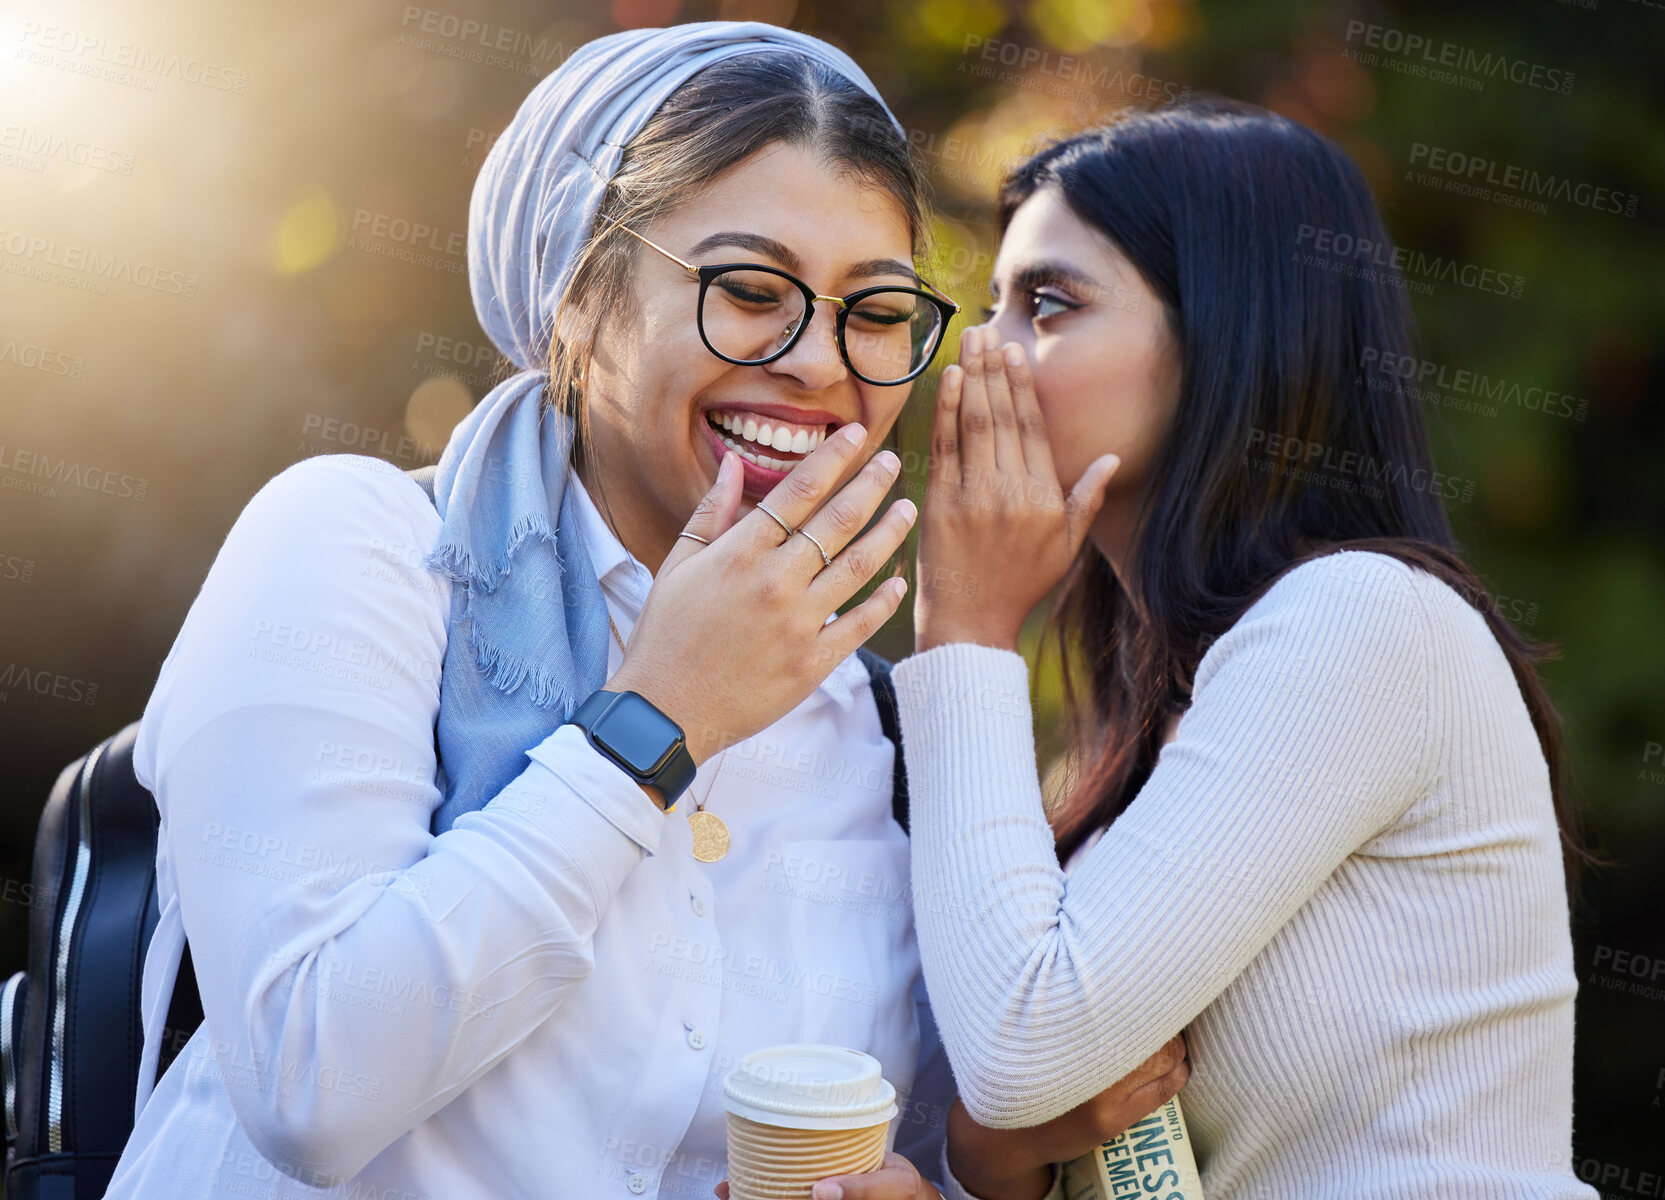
{"x":1011,"y":327}
{"x":814,"y":362}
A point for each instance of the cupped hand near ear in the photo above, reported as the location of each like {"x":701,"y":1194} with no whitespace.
{"x":997,"y":531}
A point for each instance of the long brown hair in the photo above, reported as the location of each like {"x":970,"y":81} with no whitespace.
{"x":1246,"y":226}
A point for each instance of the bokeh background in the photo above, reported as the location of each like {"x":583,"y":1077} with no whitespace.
{"x":232,"y":236}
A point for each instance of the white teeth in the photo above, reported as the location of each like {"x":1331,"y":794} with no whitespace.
{"x":766,"y":433}
{"x":762,"y":460}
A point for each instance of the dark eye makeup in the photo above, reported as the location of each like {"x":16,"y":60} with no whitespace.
{"x":1045,"y":291}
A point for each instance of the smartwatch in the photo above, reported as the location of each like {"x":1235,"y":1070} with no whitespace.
{"x":644,"y":742}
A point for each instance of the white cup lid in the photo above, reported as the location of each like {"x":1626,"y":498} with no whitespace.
{"x":803,"y":1085}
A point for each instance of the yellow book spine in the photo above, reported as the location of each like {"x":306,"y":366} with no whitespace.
{"x":1150,"y":1160}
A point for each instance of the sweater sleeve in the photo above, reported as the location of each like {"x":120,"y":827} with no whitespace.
{"x":922,"y":1123}
{"x":1305,"y":737}
{"x":356,"y":972}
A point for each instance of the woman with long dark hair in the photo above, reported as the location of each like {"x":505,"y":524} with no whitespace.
{"x":1314,"y":816}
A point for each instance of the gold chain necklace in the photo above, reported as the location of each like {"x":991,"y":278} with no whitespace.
{"x":709,"y":832}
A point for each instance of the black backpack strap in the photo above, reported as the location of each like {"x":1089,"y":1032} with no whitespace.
{"x":884,"y":695}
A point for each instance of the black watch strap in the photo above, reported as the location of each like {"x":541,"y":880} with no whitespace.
{"x":672,"y":768}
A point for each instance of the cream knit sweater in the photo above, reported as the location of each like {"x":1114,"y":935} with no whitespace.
{"x":1342,"y":880}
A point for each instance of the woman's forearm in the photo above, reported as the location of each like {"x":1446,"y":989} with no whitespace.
{"x":1047,"y":994}
{"x":994,"y":1164}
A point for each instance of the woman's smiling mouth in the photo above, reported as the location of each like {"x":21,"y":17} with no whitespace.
{"x":769,"y":439}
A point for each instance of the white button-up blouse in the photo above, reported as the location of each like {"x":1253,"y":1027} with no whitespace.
{"x":541,"y":1001}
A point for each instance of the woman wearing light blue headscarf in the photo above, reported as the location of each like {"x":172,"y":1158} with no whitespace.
{"x":448,"y":940}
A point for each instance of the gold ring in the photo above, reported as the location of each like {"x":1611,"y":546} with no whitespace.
{"x":826,"y":562}
{"x":775,"y":517}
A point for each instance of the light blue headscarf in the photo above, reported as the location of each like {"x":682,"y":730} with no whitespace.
{"x":528,"y":633}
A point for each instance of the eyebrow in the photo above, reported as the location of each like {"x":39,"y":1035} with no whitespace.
{"x":1047,"y":271}
{"x":783,"y":254}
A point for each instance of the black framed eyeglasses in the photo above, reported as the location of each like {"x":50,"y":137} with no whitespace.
{"x":751,"y":314}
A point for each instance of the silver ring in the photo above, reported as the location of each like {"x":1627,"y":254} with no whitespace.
{"x":824,"y":559}
{"x":696,"y":537}
{"x":775,"y":517}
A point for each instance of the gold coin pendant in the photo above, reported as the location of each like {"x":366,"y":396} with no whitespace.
{"x":710,"y":835}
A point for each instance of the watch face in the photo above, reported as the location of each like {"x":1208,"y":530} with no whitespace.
{"x":641,"y":735}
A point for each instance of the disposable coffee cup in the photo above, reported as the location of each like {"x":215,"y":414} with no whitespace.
{"x":801,"y":1112}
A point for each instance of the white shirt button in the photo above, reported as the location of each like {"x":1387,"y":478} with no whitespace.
{"x":696,"y":1039}
{"x":637,"y":1183}
{"x":699,"y":906}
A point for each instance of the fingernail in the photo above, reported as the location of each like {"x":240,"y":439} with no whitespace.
{"x":1014,"y":355}
{"x":854,"y":433}
{"x":908,"y":509}
{"x":888,"y":462}
{"x":828,"y":1191}
{"x":726,"y":467}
